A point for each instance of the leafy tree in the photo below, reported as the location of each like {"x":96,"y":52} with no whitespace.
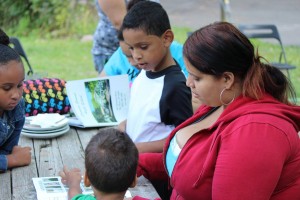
{"x":46,"y":18}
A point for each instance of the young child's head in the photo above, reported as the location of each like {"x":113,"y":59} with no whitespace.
{"x":147,"y":31}
{"x":11,"y":75}
{"x":125,"y":49}
{"x":111,"y":160}
{"x":123,"y":45}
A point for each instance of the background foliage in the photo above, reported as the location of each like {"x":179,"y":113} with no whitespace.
{"x":51,"y":18}
{"x":52,"y":33}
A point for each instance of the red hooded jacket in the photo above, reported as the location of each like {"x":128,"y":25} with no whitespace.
{"x":251,"y":152}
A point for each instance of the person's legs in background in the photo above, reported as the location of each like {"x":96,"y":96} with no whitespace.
{"x":99,"y":62}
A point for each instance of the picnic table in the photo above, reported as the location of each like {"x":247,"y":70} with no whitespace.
{"x":48,"y":158}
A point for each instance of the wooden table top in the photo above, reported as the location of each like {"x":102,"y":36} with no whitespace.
{"x":48,"y":158}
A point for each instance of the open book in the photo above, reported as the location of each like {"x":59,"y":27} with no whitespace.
{"x":51,"y":188}
{"x":98,"y":102}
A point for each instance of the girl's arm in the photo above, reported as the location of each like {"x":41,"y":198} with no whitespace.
{"x":20,"y":156}
{"x":13,"y":155}
{"x":153,"y":146}
{"x":115,"y":11}
{"x":151,"y":166}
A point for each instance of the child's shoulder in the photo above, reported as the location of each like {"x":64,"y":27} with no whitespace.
{"x":174,"y":79}
{"x":83,"y":197}
{"x":174,"y":71}
{"x":170,"y":72}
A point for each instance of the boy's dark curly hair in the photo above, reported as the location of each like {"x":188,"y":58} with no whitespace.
{"x":111,"y":160}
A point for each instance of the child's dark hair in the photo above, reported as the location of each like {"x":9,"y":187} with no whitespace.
{"x":220,"y":47}
{"x":111,"y":160}
{"x":131,"y":3}
{"x":120,"y":36}
{"x":129,"y":6}
{"x":148,"y":16}
{"x":7,"y":54}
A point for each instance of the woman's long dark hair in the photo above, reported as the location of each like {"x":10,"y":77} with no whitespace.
{"x":220,"y":47}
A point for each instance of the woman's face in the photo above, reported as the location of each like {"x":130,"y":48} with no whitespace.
{"x":206,"y":88}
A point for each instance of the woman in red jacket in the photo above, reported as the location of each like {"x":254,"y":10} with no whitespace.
{"x":243,"y":142}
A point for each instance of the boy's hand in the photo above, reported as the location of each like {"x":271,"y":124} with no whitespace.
{"x":72,"y":179}
{"x":20,"y":156}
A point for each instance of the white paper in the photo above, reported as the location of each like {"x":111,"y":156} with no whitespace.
{"x":99,"y":102}
{"x":46,"y":120}
{"x":51,"y":188}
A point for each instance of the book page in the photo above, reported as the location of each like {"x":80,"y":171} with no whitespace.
{"x":51,"y":188}
{"x":100,"y":101}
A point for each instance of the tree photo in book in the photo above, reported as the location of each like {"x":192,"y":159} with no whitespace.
{"x":98,"y":93}
{"x":98,"y":102}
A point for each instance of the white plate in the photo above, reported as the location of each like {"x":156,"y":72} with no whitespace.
{"x":30,"y":127}
{"x":46,"y":135}
{"x":45,"y":131}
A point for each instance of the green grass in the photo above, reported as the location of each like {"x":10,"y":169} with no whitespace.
{"x":71,"y":58}
{"x":67,"y":59}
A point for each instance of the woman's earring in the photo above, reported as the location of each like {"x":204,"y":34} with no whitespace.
{"x":221,"y":98}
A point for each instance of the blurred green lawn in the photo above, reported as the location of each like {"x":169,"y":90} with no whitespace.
{"x":71,"y":59}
